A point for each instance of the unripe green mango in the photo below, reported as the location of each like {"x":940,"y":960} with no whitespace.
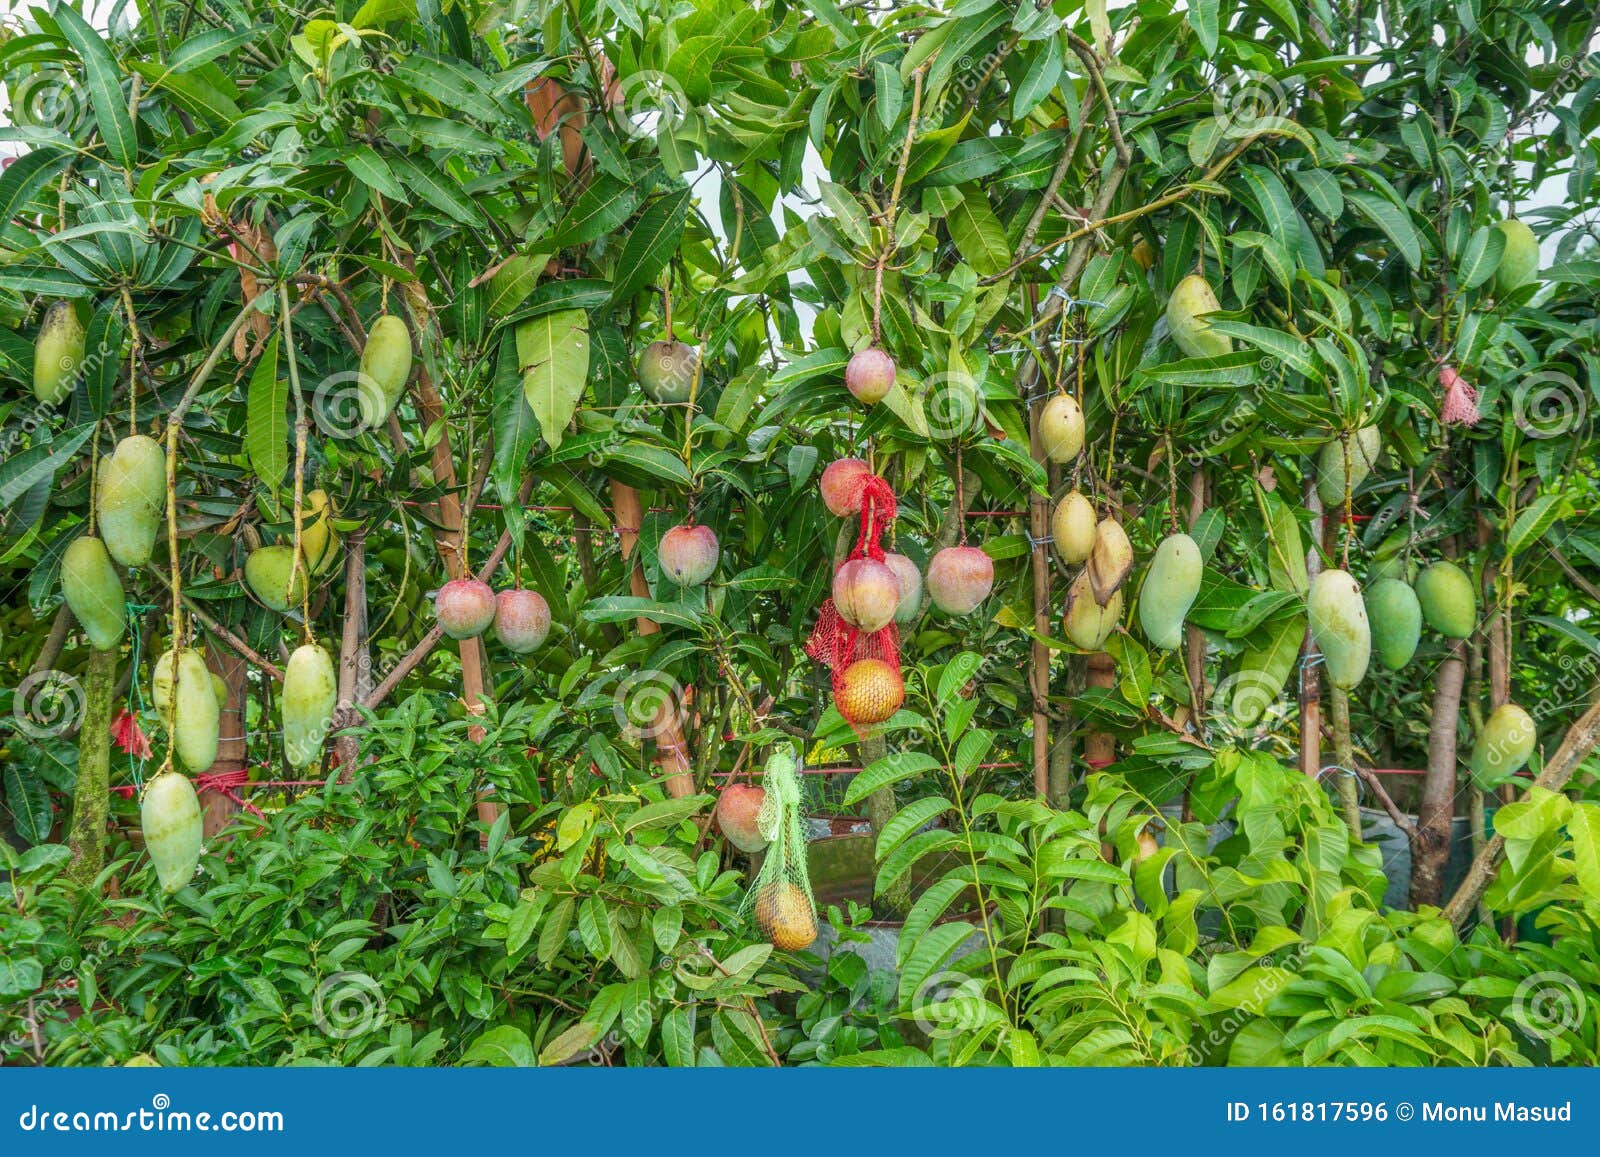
{"x":1264,"y":670}
{"x":310,"y":691}
{"x":1366,"y":444}
{"x":1072,"y":527}
{"x":1087,"y":623}
{"x":1170,"y":587}
{"x":1339,"y":625}
{"x":1503,"y":746}
{"x":1449,"y":604}
{"x":1519,"y":260}
{"x":274,"y":578}
{"x":131,"y":498}
{"x":1192,"y":298}
{"x":169,"y":817}
{"x":385,"y":366}
{"x":1395,"y":617}
{"x":57,"y":353}
{"x":186,"y":702}
{"x":93,"y":591}
{"x":1390,"y":566}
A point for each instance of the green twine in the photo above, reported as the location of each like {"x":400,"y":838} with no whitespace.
{"x":135,"y":700}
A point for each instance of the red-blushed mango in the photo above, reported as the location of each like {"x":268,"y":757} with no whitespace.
{"x":169,"y":818}
{"x":521,"y":620}
{"x":866,"y":593}
{"x":738,"y":810}
{"x":841,"y":484}
{"x":1170,"y":587}
{"x":1339,"y":626}
{"x":688,"y":554}
{"x":465,"y":608}
{"x":310,"y":691}
{"x":959,"y":578}
{"x":910,"y":579}
{"x":869,"y":376}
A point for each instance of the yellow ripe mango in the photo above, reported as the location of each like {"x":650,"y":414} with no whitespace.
{"x":1190,"y":301}
{"x":1072,"y":527}
{"x":1087,"y":623}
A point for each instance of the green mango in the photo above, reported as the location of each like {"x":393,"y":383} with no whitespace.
{"x":186,"y":703}
{"x":1395,"y":617}
{"x":94,"y":592}
{"x":1449,"y":603}
{"x":1503,"y":746}
{"x":1339,"y":626}
{"x":1264,"y":669}
{"x":269,"y":571}
{"x":1366,"y":445}
{"x":1519,"y":260}
{"x":1170,"y":587}
{"x":57,"y":353}
{"x":131,"y":498}
{"x":169,"y":817}
{"x":310,"y":691}
{"x":385,"y":367}
{"x":1190,"y":301}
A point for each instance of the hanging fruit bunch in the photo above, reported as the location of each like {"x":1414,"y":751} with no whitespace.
{"x":857,"y":635}
{"x":780,"y":896}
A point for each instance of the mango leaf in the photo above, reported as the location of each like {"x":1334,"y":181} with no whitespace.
{"x":20,"y":473}
{"x":1392,"y":220}
{"x":266,"y":439}
{"x":1532,"y":523}
{"x":651,"y":242}
{"x":104,"y":83}
{"x":977,"y":232}
{"x":553,"y":357}
{"x":891,"y":769}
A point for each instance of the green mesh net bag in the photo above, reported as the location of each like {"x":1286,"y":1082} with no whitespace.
{"x":780,"y":897}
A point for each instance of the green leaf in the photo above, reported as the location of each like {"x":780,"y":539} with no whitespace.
{"x":26,"y":175}
{"x":516,"y":433}
{"x":506,"y":1046}
{"x":650,"y":244}
{"x":104,"y":83}
{"x":1532,"y":523}
{"x":20,"y":473}
{"x":1392,"y":220}
{"x":1482,"y":256}
{"x":370,"y":169}
{"x":891,"y":769}
{"x":267,"y":419}
{"x":599,"y":210}
{"x":977,"y":232}
{"x":1583,"y":826}
{"x":29,"y":802}
{"x":553,"y":356}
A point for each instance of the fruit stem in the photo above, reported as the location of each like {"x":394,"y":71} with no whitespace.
{"x":297,"y":563}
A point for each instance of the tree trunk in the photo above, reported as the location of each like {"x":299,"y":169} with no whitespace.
{"x":881,"y":806}
{"x":1344,"y":752}
{"x":91,"y":798}
{"x":1310,"y":672}
{"x":1430,"y":849}
{"x":672,"y":749}
{"x":218,"y":809}
{"x":355,"y":657}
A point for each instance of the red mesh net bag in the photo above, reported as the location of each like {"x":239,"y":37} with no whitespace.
{"x":860,"y":643}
